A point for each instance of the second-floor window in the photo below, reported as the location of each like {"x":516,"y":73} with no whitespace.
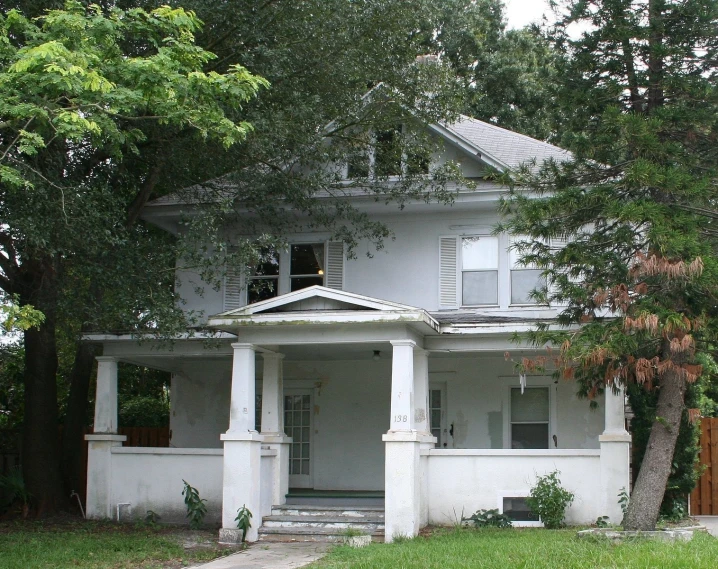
{"x":264,"y":280}
{"x":524,"y":278}
{"x":480,"y":270}
{"x":306,"y":266}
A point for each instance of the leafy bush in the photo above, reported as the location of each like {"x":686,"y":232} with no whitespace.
{"x":144,"y":411}
{"x":489,"y":519}
{"x":243,"y":520}
{"x":196,"y":508}
{"x":549,"y":500}
{"x":12,"y":487}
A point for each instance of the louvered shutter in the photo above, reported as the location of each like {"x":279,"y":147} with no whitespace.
{"x":448,"y":260}
{"x":334,"y":277}
{"x":233,"y":289}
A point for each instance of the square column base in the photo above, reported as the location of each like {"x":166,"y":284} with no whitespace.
{"x":403,"y":486}
{"x":615,"y":476}
{"x":280,"y":485}
{"x":241,"y":483}
{"x":99,"y":474}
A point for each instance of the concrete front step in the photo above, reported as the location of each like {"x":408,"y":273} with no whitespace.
{"x":310,"y":534}
{"x":328,"y":511}
{"x":321,"y":523}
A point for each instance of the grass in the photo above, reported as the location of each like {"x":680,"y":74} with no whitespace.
{"x":523,"y":549}
{"x":98,"y":545}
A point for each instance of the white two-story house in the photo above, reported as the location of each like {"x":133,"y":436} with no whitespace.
{"x":368,"y":389}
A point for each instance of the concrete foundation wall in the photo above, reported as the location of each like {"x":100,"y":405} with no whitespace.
{"x":469,"y":480}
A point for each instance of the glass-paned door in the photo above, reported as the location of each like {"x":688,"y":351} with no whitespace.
{"x":298,"y":425}
{"x":437,"y":414}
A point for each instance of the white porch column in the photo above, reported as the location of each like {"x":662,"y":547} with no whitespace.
{"x":242,"y":450}
{"x":273,"y":424}
{"x":421,"y":391}
{"x":403,"y":487}
{"x":101,"y":442}
{"x":615,"y":458}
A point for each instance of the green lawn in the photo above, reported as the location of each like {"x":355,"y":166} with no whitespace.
{"x":526,"y":548}
{"x":81,"y":544}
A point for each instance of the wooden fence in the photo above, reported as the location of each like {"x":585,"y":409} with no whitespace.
{"x":704,"y":499}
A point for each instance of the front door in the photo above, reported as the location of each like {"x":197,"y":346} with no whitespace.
{"x":298,"y":425}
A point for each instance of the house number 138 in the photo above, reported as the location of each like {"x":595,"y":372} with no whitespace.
{"x":400,"y":418}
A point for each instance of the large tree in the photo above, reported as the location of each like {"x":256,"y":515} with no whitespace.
{"x":88,"y":98}
{"x":76,"y":242}
{"x":626,"y":232}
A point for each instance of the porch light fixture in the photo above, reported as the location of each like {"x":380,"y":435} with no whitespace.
{"x":377,"y":355}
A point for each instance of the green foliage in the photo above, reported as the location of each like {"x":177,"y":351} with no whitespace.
{"x":602,"y":521}
{"x":13,"y":490}
{"x":243,"y":520}
{"x":623,"y":500}
{"x":624,"y":228}
{"x":144,"y":411}
{"x":19,"y":318}
{"x":549,"y":500}
{"x":196,"y":508}
{"x":489,"y":519}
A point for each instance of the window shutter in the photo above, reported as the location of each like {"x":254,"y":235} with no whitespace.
{"x":448,"y":259}
{"x":233,"y":289}
{"x":334,"y":277}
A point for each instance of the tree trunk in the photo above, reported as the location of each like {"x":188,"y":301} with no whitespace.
{"x":40,"y":437}
{"x":647,"y":496}
{"x":76,"y":418}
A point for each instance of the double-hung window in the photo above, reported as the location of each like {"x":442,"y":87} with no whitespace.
{"x":480,"y":271}
{"x":529,"y":419}
{"x":524,"y":278}
{"x":263,"y":282}
{"x":306,"y":266}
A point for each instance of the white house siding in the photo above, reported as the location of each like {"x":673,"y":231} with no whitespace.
{"x":463,"y":481}
{"x":351,"y":410}
{"x":406,"y":270}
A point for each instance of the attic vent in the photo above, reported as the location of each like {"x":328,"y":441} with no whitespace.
{"x":335,"y":265}
{"x":233,"y":289}
{"x":447,"y":272}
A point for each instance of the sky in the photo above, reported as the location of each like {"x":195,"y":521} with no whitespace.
{"x":523,"y":12}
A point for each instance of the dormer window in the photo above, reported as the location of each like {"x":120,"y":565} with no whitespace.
{"x":387,"y":155}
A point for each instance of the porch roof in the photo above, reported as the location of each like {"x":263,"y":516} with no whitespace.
{"x":318,"y":305}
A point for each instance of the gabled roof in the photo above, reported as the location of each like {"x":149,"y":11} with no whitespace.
{"x":504,"y":147}
{"x":338,"y":299}
{"x":318,"y":305}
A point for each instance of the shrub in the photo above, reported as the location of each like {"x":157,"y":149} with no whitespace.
{"x":549,"y":500}
{"x":195,"y":506}
{"x":489,"y":519}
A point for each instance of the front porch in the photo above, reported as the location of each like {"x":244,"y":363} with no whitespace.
{"x":373,"y":400}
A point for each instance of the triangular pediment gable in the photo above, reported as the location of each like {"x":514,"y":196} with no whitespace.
{"x":316,"y":298}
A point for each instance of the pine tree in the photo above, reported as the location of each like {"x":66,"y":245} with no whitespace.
{"x":626,"y":231}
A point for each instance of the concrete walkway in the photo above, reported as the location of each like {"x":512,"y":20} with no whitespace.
{"x":711,"y":523}
{"x":271,"y":556}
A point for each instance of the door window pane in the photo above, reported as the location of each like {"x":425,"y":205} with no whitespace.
{"x":529,"y":435}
